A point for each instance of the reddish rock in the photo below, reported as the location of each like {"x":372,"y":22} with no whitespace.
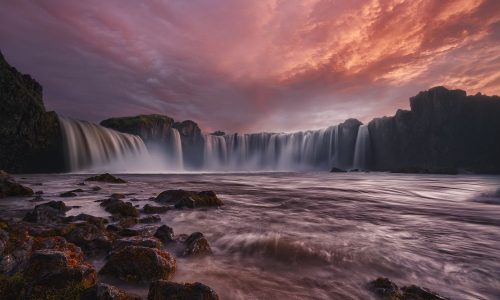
{"x":165,"y":290}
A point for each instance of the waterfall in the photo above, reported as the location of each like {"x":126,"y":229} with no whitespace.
{"x":91,"y":147}
{"x":362,"y":150}
{"x":271,"y":151}
{"x":176,"y":158}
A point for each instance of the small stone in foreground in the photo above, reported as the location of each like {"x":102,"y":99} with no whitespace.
{"x":387,"y":290}
{"x":9,"y":187}
{"x":182,"y":198}
{"x":102,"y":291}
{"x":165,"y":290}
{"x":106,"y":177}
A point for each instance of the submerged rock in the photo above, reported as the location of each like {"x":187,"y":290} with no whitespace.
{"x":151,"y":209}
{"x":149,"y":242}
{"x":165,"y":290}
{"x":182,"y":198}
{"x":150,"y":219}
{"x":197,"y":245}
{"x":9,"y":187}
{"x":106,"y":177}
{"x":337,"y":170}
{"x":119,"y":207}
{"x":388,"y":290}
{"x":49,"y":212}
{"x":165,"y":234}
{"x":139,"y":264}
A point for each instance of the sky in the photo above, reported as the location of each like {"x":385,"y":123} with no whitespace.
{"x":247,"y":65}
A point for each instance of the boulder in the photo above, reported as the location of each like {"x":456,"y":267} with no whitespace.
{"x":93,"y":239}
{"x":149,"y":242}
{"x":102,"y":291}
{"x":337,"y":170}
{"x":58,"y":269}
{"x":49,"y":212}
{"x":165,"y":234}
{"x":106,"y":177}
{"x":139,"y":264}
{"x":119,"y":207}
{"x":166,"y":290}
{"x":151,"y":209}
{"x":197,"y":245}
{"x":150,"y":219}
{"x":182,"y":198}
{"x":387,"y":290}
{"x":18,"y":245}
{"x":9,"y":187}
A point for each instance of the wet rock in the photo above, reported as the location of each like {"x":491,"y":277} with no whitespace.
{"x":98,"y":221}
{"x":39,"y":193}
{"x":91,"y":238}
{"x":388,"y":290}
{"x":129,"y":232}
{"x":422,"y":170}
{"x":182,"y":198}
{"x":96,"y":188}
{"x":165,"y":290}
{"x":150,"y":219}
{"x":106,"y":177}
{"x":165,"y":234}
{"x":9,"y":187}
{"x":102,"y":291}
{"x":59,"y":269}
{"x":127,"y":222}
{"x":414,"y":292}
{"x":118,"y":207}
{"x":385,"y":289}
{"x":151,"y":209}
{"x":139,"y":264}
{"x":197,"y":245}
{"x":117,"y":196}
{"x":337,"y":170}
{"x":49,"y":212}
{"x":37,"y":198}
{"x":4,"y":238}
{"x":149,"y":242}
{"x":68,"y":194}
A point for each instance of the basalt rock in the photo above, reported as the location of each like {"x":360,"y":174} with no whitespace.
{"x":106,"y":177}
{"x":444,"y":130}
{"x":166,"y":290}
{"x":119,"y":207}
{"x":30,"y":137}
{"x":165,"y":234}
{"x":197,"y":245}
{"x":182,"y":198}
{"x":387,"y":290}
{"x":149,"y":242}
{"x":139,"y":264}
{"x":151,"y":128}
{"x":151,"y":209}
{"x":49,"y":212}
{"x":102,"y":291}
{"x":150,"y":219}
{"x":9,"y":187}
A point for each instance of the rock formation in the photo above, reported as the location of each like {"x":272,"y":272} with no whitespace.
{"x":30,"y":138}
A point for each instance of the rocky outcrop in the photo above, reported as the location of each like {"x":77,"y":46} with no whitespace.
{"x":444,"y":130}
{"x":151,"y":128}
{"x":9,"y":186}
{"x":102,"y":291}
{"x":192,"y":142}
{"x":348,"y":132}
{"x":139,"y":264}
{"x":387,"y":290}
{"x":165,"y":290}
{"x":30,"y":137}
{"x":106,"y":177}
{"x":189,"y":199}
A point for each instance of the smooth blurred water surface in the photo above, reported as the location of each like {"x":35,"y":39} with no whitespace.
{"x":321,"y":235}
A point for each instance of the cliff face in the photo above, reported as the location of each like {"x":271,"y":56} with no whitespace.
{"x":444,"y":129}
{"x":348,"y":131}
{"x":30,"y":138}
{"x":155,"y":130}
{"x":151,"y":128}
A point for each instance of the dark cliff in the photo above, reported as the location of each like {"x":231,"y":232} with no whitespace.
{"x":30,"y":137}
{"x":348,"y":131}
{"x":444,"y":129}
{"x":151,"y":128}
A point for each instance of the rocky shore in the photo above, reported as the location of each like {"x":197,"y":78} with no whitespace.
{"x":49,"y":255}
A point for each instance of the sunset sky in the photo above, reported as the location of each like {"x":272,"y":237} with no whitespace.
{"x":250,"y":65}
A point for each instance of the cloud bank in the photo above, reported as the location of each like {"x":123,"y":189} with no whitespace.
{"x":270,"y":65}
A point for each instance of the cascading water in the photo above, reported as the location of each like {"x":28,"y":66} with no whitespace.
{"x":272,"y":151}
{"x":362,"y":150}
{"x":90,"y":147}
{"x":176,"y":156}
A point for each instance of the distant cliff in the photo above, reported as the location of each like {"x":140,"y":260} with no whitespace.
{"x":156,"y":129}
{"x":444,"y":129}
{"x":30,"y":139}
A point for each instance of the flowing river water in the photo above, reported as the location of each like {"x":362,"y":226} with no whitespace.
{"x":319,"y":235}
